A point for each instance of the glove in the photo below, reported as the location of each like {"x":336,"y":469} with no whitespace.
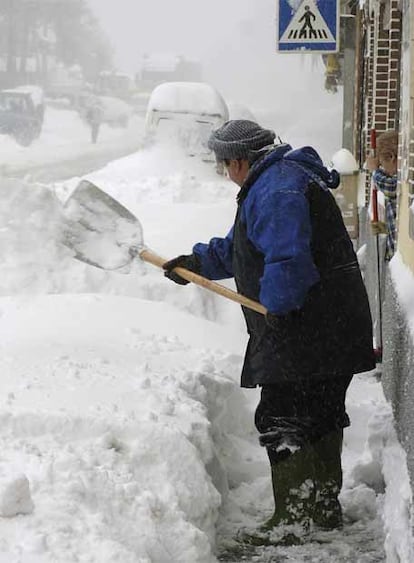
{"x":188,"y":261}
{"x":378,"y":228}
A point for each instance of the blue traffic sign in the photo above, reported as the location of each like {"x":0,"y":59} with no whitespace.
{"x":308,"y":25}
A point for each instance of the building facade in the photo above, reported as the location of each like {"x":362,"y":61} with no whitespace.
{"x":384,"y":99}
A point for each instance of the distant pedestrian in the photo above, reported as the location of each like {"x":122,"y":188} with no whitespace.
{"x":94,"y":119}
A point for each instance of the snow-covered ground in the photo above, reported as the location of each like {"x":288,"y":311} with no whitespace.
{"x":125,"y":436}
{"x":64,"y":146}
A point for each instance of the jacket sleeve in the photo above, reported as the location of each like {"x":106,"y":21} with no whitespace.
{"x":216,"y":257}
{"x":279,"y":226}
{"x":385,"y":183}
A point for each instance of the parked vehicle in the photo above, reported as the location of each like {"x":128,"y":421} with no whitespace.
{"x":115,"y":84}
{"x":65,"y":83}
{"x":22,"y":113}
{"x":186,"y":113}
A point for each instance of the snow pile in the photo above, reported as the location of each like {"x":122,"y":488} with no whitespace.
{"x":118,"y":412}
{"x":35,"y":261}
{"x":344,"y":162}
{"x":15,"y":496}
{"x":30,"y":219}
{"x":384,"y":469}
{"x":403,"y":281}
{"x":115,"y":424}
{"x":121,"y":408}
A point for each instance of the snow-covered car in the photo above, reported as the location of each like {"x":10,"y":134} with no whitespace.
{"x":21,"y":113}
{"x":186,"y":113}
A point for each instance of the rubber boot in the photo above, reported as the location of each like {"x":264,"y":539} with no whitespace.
{"x":327,"y":513}
{"x":293,"y":489}
{"x":294,"y":494}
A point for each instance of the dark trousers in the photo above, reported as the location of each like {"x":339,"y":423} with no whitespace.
{"x":94,"y":132}
{"x":291,"y":415}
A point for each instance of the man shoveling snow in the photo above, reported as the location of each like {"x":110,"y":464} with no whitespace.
{"x":289,"y":249}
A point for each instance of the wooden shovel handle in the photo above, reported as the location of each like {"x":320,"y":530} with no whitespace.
{"x":155,"y":260}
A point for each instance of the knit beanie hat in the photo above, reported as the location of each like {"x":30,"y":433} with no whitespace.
{"x":236,"y":138}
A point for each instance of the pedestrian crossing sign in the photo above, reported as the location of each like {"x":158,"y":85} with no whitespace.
{"x":308,"y":25}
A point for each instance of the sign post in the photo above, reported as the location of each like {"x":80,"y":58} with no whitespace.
{"x":308,"y":25}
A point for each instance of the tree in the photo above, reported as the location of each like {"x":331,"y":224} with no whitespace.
{"x":43,"y":30}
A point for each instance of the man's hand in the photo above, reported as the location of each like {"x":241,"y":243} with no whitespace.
{"x":188,"y":261}
{"x":372,"y":163}
{"x":378,"y":228}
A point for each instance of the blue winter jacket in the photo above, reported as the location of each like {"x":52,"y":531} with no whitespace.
{"x":290,"y":250}
{"x":276,"y":215}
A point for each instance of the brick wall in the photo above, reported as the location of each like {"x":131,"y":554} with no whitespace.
{"x":381,"y":91}
{"x":386,"y":23}
{"x":394,"y":65}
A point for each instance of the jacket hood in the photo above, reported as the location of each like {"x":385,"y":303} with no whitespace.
{"x":305,"y":158}
{"x":259,"y":161}
{"x":309,"y":160}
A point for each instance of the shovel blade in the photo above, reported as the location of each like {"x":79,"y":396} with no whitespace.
{"x":99,"y":230}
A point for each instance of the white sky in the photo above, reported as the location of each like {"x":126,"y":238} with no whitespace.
{"x":234,"y":39}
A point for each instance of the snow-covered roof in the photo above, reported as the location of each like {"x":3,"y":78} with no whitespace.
{"x":117,"y":74}
{"x":35,"y":92}
{"x":188,"y":97}
{"x":160,"y":62}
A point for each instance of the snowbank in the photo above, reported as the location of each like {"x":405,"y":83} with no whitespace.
{"x":113,"y":429}
{"x":66,"y":137}
{"x":383,"y":468}
{"x":122,"y":422}
{"x":118,"y":412}
{"x":403,"y":281}
{"x":30,"y":219}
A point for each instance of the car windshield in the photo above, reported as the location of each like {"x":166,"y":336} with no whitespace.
{"x":191,"y":134}
{"x":9,"y":102}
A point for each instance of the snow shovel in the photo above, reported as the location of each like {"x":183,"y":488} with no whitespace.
{"x":103,"y":233}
